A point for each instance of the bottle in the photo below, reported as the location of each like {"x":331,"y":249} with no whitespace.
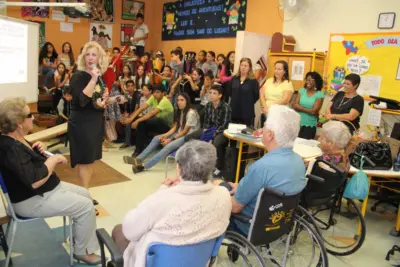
{"x":396,"y":165}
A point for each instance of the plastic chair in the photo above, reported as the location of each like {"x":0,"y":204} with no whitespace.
{"x":162,"y":255}
{"x":195,"y":255}
{"x":15,"y":219}
{"x":206,"y":136}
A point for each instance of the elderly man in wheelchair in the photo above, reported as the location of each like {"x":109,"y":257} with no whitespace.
{"x":264,"y":204}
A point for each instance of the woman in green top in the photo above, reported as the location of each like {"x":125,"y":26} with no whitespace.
{"x":308,"y":103}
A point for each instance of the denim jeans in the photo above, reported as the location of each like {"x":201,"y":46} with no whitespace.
{"x":48,"y":72}
{"x":152,"y":125}
{"x":128,"y":134}
{"x":164,"y":152}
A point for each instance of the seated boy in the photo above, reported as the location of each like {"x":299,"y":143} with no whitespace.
{"x":217,"y":113}
{"x":135,"y":101}
{"x":159,"y":120}
{"x":64,"y":106}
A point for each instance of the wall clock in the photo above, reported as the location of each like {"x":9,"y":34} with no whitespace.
{"x":386,"y":20}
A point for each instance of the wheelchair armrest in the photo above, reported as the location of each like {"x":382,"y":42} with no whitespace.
{"x":315,"y":178}
{"x":333,"y":166}
{"x":241,"y":217}
{"x":106,"y":240}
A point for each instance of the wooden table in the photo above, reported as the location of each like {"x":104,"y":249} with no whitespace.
{"x":300,"y":147}
{"x":391,"y":176}
{"x":48,"y":133}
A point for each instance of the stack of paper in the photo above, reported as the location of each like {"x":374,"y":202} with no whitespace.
{"x":234,"y":128}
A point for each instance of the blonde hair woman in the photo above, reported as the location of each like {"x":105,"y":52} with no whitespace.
{"x":34,"y":188}
{"x":86,"y":122}
{"x":244,"y":93}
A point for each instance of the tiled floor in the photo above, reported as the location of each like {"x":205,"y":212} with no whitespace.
{"x":117,"y":199}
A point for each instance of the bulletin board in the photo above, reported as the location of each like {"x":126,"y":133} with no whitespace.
{"x":194,"y":19}
{"x":374,"y":56}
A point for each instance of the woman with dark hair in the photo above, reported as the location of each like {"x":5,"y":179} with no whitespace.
{"x":61,"y":80}
{"x":47,"y":62}
{"x":220,"y":62}
{"x":67,"y":57}
{"x":347,"y":106}
{"x":277,"y":90}
{"x":186,"y":121}
{"x":141,"y":78}
{"x":244,"y":94}
{"x":190,"y":84}
{"x":227,"y":68}
{"x":125,"y":76}
{"x":308,"y":103}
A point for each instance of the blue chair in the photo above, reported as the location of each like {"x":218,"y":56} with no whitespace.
{"x":15,"y":219}
{"x":195,"y":255}
{"x":207,"y":136}
{"x":162,"y":255}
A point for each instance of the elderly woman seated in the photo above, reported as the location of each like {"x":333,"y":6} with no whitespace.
{"x":33,"y":186}
{"x":185,"y":210}
{"x":334,"y":138}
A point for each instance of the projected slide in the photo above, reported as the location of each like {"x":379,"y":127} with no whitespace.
{"x":13,"y":52}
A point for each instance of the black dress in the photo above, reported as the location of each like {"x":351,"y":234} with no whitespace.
{"x":85,"y":125}
{"x":243,"y":97}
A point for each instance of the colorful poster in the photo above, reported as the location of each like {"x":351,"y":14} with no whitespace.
{"x":373,"y":56}
{"x":30,"y":11}
{"x":102,"y":10}
{"x":130,"y":9}
{"x":102,"y":34}
{"x":203,"y":19}
{"x":126,"y":33}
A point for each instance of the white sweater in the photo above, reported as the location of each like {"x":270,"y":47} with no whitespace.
{"x":187,"y":213}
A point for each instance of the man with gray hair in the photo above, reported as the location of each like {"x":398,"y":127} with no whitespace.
{"x":281,"y":168}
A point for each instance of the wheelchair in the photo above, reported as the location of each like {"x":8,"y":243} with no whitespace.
{"x":277,"y":236}
{"x":340,"y":223}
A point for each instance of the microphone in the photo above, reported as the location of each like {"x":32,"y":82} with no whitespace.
{"x":100,"y":78}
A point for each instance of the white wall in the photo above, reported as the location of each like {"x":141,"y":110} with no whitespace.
{"x":316,"y":19}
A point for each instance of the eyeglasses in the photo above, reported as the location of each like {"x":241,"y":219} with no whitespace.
{"x":29,"y":116}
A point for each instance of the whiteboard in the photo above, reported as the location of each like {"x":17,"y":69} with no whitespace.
{"x":19,"y":57}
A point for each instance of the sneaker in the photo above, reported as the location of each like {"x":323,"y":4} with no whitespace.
{"x":137,"y":169}
{"x":131,"y":160}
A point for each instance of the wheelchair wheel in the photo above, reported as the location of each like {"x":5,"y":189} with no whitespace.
{"x":236,"y":250}
{"x":344,"y":230}
{"x":304,"y":247}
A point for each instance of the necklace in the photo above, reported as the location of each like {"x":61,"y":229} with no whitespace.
{"x":342,"y":102}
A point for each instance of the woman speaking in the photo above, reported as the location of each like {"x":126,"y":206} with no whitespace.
{"x":86,"y":122}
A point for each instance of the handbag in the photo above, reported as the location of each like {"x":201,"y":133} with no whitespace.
{"x":358,"y":186}
{"x":378,"y":153}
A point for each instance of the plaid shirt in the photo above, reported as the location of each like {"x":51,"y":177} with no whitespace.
{"x":219,"y":117}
